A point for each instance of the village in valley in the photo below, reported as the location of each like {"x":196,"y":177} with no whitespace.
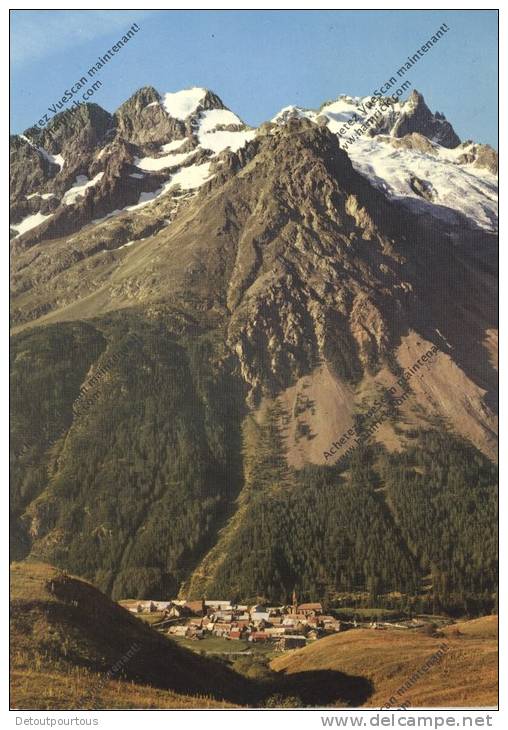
{"x":281,"y":627}
{"x":278,"y":628}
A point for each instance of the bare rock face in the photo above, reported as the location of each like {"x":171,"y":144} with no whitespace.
{"x":413,"y":141}
{"x":210,"y":101}
{"x":45,"y":163}
{"x":305,"y":258}
{"x":417,"y":117}
{"x":74,"y":133}
{"x":142,"y":120}
{"x":422,"y":188}
{"x":480,"y":155}
{"x":29,"y":170}
{"x":90,"y":146}
{"x":292,"y":246}
{"x":487,"y":157}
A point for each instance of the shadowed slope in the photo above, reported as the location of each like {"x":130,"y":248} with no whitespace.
{"x":78,"y":642}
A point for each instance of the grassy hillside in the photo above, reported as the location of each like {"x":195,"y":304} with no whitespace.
{"x":466,"y":676}
{"x":43,"y":690}
{"x":74,"y":648}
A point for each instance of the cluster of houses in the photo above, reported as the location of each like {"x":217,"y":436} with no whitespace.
{"x":288,"y":627}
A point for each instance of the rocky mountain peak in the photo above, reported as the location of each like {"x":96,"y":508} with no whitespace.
{"x":149,"y":117}
{"x":212,"y":101}
{"x":142,"y":97}
{"x":82,"y":128}
{"x":142,"y":119}
{"x":417,"y":117}
{"x":37,"y":157}
{"x":88,"y":164}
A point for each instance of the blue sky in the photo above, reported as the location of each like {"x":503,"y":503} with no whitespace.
{"x":259,"y":61}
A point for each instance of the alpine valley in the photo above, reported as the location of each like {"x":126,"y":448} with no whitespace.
{"x":202,"y":310}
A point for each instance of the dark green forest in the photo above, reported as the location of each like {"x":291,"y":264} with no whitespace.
{"x":425,"y":518}
{"x":132,"y":491}
{"x":135,"y":487}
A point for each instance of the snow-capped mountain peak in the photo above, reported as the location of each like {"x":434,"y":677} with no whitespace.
{"x":413,"y":156}
{"x":99,"y":166}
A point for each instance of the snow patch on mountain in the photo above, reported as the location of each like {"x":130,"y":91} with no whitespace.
{"x":82,"y":183}
{"x":188,"y":178}
{"x":213,"y":118}
{"x":173,"y":146}
{"x":151,"y":164}
{"x":455,"y":188}
{"x":191,"y":177}
{"x":131,"y":243}
{"x":31,"y":221}
{"x":54,"y":159}
{"x":346,"y":108}
{"x":212,"y":135}
{"x":181,"y":104}
{"x":293,"y":112}
{"x":144,"y":199}
{"x":219,"y":141}
{"x":44,"y":196}
{"x":339,"y":112}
